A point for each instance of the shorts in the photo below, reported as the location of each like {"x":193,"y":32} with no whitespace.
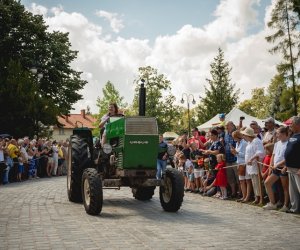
{"x":21,"y":168}
{"x":50,"y":160}
{"x":278,"y":173}
{"x":199,"y":172}
{"x":191,"y":177}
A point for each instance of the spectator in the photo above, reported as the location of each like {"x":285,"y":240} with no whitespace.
{"x":54,"y":157}
{"x":214,"y":149}
{"x":269,"y":148}
{"x":254,"y":153}
{"x":187,"y":167}
{"x":292,"y":161}
{"x":231,"y":172}
{"x":2,"y":160}
{"x":277,"y":165}
{"x":257,"y":130}
{"x":162,"y":157}
{"x":239,"y":152}
{"x":221,"y":180}
{"x":195,"y":155}
{"x":270,"y":135}
{"x":222,"y":120}
{"x":13,"y":153}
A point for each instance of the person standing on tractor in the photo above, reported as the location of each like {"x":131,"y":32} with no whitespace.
{"x":113,"y":110}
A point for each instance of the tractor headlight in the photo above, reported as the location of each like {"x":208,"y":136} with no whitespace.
{"x":107,"y":148}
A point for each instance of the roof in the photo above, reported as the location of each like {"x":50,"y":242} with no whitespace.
{"x":82,"y":119}
{"x":234,"y":116}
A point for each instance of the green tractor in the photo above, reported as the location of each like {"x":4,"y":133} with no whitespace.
{"x":128,"y":159}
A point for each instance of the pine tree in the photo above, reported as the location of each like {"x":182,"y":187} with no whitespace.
{"x":220,"y":95}
{"x":286,"y":22}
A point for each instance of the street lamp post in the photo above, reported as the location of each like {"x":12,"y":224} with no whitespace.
{"x":188,"y":99}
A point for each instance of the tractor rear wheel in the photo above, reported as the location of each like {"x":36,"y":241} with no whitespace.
{"x":172,"y":191}
{"x":143,"y":193}
{"x":79,"y":158}
{"x":92,"y":192}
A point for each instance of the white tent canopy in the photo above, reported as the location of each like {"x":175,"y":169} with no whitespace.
{"x":170,"y":135}
{"x":234,"y":116}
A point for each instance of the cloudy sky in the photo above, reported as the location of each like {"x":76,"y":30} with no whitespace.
{"x":179,"y":38}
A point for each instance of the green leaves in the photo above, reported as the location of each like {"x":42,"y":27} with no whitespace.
{"x":25,"y":41}
{"x":220,"y":94}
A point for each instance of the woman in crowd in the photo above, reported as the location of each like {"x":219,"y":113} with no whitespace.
{"x":254,"y":153}
{"x":239,"y":151}
{"x":278,"y":171}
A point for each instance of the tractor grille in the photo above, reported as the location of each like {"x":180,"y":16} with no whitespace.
{"x":120,"y":154}
{"x":141,"y":126}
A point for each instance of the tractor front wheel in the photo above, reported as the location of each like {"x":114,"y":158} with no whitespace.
{"x":172,"y":191}
{"x":79,"y":159}
{"x":92,"y":192}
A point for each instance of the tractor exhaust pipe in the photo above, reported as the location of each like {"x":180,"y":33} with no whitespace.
{"x":142,"y":99}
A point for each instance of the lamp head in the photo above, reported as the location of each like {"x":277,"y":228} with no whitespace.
{"x":182,"y":101}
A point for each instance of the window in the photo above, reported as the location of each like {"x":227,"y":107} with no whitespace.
{"x":61,"y":131}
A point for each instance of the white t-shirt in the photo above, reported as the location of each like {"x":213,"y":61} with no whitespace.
{"x":254,"y":149}
{"x":279,"y":149}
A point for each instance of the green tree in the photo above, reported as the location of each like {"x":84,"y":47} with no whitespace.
{"x":26,"y":43}
{"x":286,"y":23}
{"x":258,"y":105}
{"x":220,"y":95}
{"x":159,"y":100}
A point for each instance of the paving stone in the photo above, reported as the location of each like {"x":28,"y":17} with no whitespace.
{"x":37,"y":215}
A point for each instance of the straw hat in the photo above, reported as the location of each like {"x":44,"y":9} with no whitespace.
{"x":248,"y":132}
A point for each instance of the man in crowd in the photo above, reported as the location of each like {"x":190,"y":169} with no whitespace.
{"x":231,"y":172}
{"x":292,"y":161}
{"x":270,"y":135}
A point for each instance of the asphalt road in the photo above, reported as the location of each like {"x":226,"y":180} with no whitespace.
{"x":36,"y":214}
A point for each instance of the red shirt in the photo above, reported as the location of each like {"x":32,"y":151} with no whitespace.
{"x":267,"y":161}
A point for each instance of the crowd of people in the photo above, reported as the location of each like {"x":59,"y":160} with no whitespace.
{"x":25,"y":158}
{"x":249,"y":164}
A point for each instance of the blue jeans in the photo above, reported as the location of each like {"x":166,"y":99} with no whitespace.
{"x":161,"y":167}
{"x":9,"y":163}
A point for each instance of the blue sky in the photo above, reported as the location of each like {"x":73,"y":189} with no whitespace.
{"x":147,"y":19}
{"x":179,"y":38}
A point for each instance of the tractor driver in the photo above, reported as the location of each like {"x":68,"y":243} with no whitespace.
{"x":113,"y":110}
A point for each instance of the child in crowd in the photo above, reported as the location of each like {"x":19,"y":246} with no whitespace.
{"x":194,"y":156}
{"x":221,"y":179}
{"x":187,"y":167}
{"x":269,"y":147}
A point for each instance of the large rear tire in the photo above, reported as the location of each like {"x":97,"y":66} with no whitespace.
{"x":92,"y":192}
{"x":143,"y":193}
{"x":172,"y":192}
{"x":79,"y":158}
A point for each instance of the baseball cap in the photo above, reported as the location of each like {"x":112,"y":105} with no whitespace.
{"x":222,"y":115}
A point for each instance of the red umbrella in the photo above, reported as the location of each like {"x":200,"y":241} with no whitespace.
{"x":288,"y":121}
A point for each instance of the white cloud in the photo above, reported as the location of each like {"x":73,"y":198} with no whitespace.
{"x":115,"y":22}
{"x":183,"y":57}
